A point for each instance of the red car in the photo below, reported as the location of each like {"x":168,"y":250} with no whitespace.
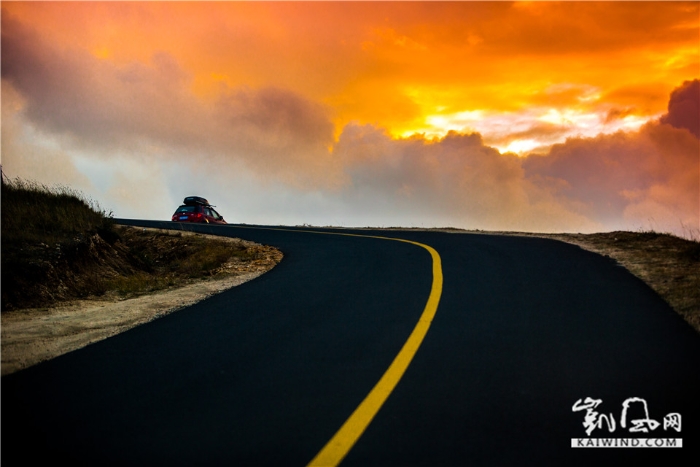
{"x":197,"y":209}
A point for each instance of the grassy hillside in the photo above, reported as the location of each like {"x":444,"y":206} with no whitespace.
{"x":57,"y":246}
{"x":34,"y":213}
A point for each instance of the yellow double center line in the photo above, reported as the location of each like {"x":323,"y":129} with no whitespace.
{"x":345,"y":438}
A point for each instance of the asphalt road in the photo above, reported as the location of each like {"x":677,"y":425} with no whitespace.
{"x":266,"y":374}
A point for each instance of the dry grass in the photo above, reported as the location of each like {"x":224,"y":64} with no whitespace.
{"x":36,"y":213}
{"x":172,"y":258}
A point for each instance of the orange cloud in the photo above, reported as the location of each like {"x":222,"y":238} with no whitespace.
{"x":393,"y":63}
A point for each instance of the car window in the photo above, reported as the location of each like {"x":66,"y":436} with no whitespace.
{"x":215,"y":214}
{"x":185,"y":209}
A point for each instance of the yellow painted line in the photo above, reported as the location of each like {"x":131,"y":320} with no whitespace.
{"x":340,"y":444}
{"x":345,"y":438}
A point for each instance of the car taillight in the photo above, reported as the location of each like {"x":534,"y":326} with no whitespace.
{"x":198,"y":215}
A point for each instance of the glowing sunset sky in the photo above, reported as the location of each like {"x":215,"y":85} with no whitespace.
{"x":540,"y":116}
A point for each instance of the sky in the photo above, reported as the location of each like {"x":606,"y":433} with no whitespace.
{"x":519,"y":116}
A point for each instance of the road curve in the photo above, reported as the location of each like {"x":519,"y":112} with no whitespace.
{"x":267,"y":373}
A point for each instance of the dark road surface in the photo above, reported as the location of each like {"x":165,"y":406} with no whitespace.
{"x":266,"y":373}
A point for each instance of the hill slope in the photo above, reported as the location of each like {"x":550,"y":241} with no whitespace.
{"x":58,"y":246}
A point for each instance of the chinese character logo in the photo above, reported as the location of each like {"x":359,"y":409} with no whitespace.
{"x":635,"y":415}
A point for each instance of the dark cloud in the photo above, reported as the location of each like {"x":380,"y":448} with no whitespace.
{"x":276,"y":112}
{"x":644,"y":179}
{"x":684,"y":107}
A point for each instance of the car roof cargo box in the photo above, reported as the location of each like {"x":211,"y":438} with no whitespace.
{"x":191,"y":200}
